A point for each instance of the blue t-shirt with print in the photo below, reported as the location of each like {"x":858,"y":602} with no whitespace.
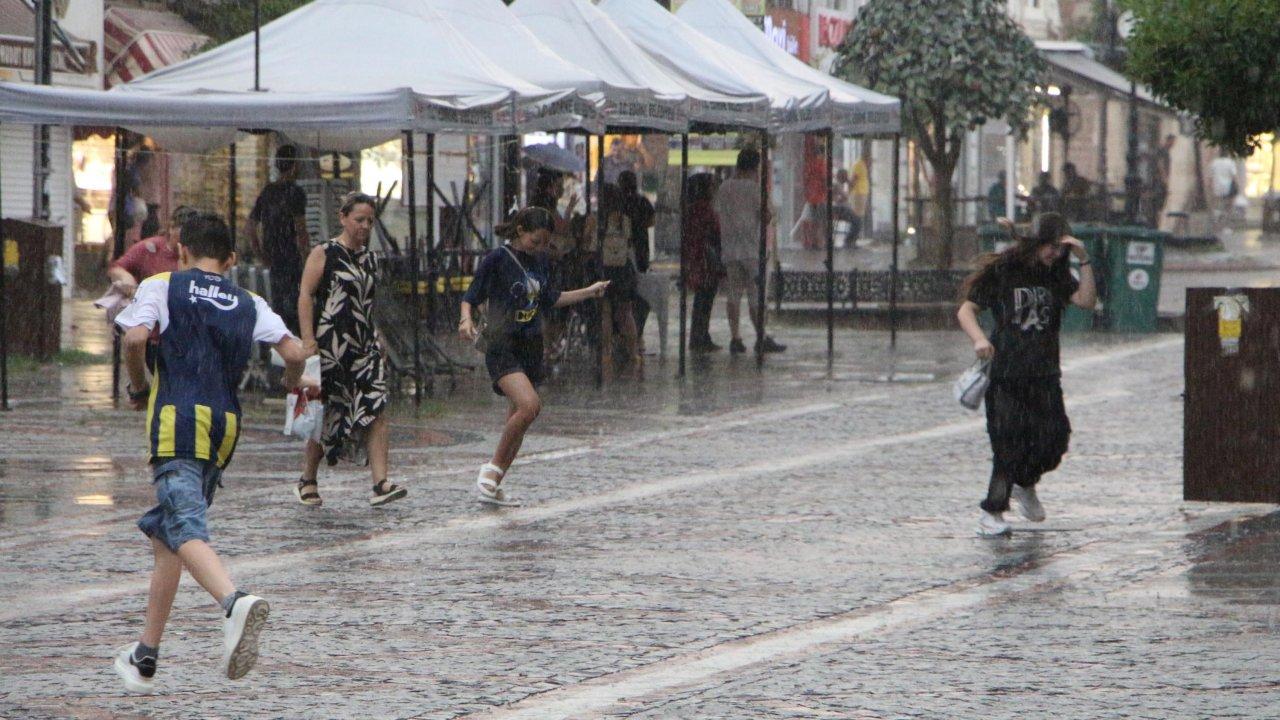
{"x":516,"y":287}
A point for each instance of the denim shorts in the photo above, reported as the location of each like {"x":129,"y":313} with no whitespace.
{"x":184,"y":491}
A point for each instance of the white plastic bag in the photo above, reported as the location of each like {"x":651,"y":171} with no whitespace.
{"x":971,"y":386}
{"x":303,"y":418}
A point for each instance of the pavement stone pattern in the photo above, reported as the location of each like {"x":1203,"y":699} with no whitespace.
{"x":662,"y":522}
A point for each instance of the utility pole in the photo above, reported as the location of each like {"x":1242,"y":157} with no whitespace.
{"x":43,"y":76}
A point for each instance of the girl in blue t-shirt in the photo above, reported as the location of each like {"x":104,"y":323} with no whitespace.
{"x":513,"y":281}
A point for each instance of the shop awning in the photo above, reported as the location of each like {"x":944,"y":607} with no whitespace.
{"x":17,"y":42}
{"x":138,"y":41}
{"x":1076,"y":60}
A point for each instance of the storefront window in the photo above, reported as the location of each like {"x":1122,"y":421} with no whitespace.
{"x":93,"y":163}
{"x":1260,"y":168}
{"x":382,"y":165}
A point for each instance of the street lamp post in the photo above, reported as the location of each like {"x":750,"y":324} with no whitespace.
{"x":1132,"y":180}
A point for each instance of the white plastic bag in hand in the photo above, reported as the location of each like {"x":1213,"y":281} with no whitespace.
{"x":971,"y":386}
{"x":302,"y":418}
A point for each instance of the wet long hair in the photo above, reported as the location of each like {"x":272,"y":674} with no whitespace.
{"x":1046,"y":229}
{"x":530,"y":219}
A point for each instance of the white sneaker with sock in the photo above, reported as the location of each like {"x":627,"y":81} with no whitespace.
{"x":240,"y":635}
{"x":131,"y":674}
{"x":1028,"y":504}
{"x":993,"y":525}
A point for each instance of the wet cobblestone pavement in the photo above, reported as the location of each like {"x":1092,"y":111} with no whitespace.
{"x":745,"y":545}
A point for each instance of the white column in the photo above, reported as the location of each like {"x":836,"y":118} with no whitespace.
{"x":1010,"y":174}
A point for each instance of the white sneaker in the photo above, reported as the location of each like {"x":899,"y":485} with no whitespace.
{"x":1028,"y":504}
{"x":240,"y":635}
{"x":993,"y":525}
{"x":131,"y":674}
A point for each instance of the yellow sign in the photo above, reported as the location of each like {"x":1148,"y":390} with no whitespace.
{"x":11,"y":254}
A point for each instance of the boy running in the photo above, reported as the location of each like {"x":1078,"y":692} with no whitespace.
{"x":207,"y":328}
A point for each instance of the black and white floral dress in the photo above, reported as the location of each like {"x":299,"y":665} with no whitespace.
{"x":352,"y":369}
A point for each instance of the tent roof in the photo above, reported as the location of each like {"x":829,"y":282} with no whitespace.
{"x":584,"y":35}
{"x":325,"y":47}
{"x":855,"y":109}
{"x":491,"y":27}
{"x":796,"y":105}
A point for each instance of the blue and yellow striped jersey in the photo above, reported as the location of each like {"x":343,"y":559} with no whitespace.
{"x":193,"y":411}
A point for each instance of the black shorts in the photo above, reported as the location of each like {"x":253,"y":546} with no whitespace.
{"x":515,"y":355}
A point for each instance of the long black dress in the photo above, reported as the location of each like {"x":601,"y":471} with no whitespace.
{"x":353,"y":373}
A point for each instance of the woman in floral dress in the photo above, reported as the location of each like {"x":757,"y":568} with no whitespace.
{"x":335,"y":311}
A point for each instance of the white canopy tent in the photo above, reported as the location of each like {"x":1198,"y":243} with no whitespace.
{"x":855,"y":110}
{"x":615,"y":100}
{"x":795,"y":105}
{"x":584,"y":35}
{"x":315,"y":50}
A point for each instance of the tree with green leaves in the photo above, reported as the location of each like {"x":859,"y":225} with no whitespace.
{"x":954,"y":64}
{"x":223,"y":21}
{"x":1218,"y":60}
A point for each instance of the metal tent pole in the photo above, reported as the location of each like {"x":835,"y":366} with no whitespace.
{"x":684,"y":279}
{"x":4,"y":298}
{"x":232,"y":208}
{"x":893,"y":271}
{"x":416,"y":313}
{"x":600,"y":226}
{"x":121,"y":203}
{"x":831,"y":244}
{"x":763,"y":268}
{"x":431,"y":232}
{"x":257,"y":45}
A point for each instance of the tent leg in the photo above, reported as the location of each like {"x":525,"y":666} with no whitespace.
{"x":763,"y":269}
{"x":232,"y":201}
{"x":684,"y":279}
{"x":4,"y":301}
{"x":117,"y":247}
{"x":831,"y":244}
{"x":893,"y":270}
{"x":416,"y":311}
{"x":601,"y":220}
{"x":431,"y":233}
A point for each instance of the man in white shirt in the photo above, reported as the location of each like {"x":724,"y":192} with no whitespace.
{"x":737,"y":205}
{"x":1225,"y":185}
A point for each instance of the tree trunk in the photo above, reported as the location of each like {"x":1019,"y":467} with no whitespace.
{"x":1199,"y":202}
{"x":945,"y":212}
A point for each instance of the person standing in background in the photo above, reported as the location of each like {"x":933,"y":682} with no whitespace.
{"x":639,"y":211}
{"x":281,"y":213}
{"x":703,"y":267}
{"x":737,"y":207}
{"x":859,"y":196}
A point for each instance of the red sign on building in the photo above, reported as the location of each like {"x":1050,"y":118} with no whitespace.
{"x":832,"y":29}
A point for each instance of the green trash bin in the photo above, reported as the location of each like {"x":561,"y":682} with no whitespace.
{"x":1135,"y":261}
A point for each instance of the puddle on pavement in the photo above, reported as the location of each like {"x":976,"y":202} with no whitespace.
{"x":1237,"y":561}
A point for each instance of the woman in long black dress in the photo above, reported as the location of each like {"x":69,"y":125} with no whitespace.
{"x":512,"y":282}
{"x":339,"y":279}
{"x":1027,"y":288}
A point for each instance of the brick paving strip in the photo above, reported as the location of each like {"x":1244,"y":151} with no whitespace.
{"x":1118,"y":561}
